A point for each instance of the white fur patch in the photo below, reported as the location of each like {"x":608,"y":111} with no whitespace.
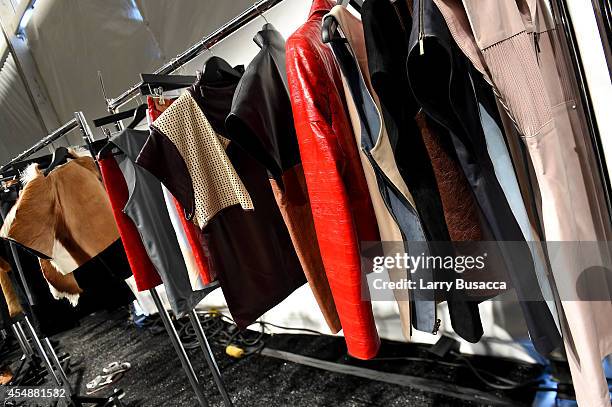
{"x":80,"y":151}
{"x":30,"y":172}
{"x":73,"y":299}
{"x":62,"y":260}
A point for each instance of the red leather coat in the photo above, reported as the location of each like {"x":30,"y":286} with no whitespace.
{"x":340,"y":201}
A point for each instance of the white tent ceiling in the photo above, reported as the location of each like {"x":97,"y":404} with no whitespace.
{"x":71,"y":40}
{"x":19,"y":125}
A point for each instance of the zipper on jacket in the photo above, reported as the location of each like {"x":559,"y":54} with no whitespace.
{"x":421,"y":30}
{"x":436,"y":327}
{"x":536,"y":42}
{"x":385,"y":195}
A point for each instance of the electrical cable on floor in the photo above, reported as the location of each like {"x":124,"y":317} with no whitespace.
{"x":478,"y":373}
{"x":221,"y":330}
{"x":510,"y":385}
{"x":312,"y":331}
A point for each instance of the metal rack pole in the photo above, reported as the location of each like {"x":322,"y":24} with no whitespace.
{"x":21,"y":274}
{"x":87,"y":135}
{"x":24,"y":337}
{"x":20,"y":339}
{"x":165,"y":317}
{"x":75,"y":399}
{"x":206,"y":43}
{"x":85,"y":130}
{"x":41,"y":350}
{"x":58,"y":364}
{"x":210,"y":358}
{"x":45,"y":141}
{"x":178,"y":347}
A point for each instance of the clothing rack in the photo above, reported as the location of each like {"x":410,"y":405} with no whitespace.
{"x":28,"y":338}
{"x":192,"y":52}
{"x":185,"y":57}
{"x":53,"y":364}
{"x":167,"y":321}
{"x":176,"y":341}
{"x":188,"y":55}
{"x":45,"y":141}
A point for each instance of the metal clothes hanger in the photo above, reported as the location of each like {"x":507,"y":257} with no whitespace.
{"x":261,"y":14}
{"x":60,"y":156}
{"x":329,"y":28}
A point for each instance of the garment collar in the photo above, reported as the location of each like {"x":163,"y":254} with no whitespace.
{"x":269,"y":36}
{"x":320,"y":6}
{"x":272,"y":42}
{"x":130,"y":142}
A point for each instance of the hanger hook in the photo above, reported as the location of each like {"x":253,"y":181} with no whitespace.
{"x":181,"y":69}
{"x":261,"y":14}
{"x":101,"y":79}
{"x":172,"y":62}
{"x":157,"y":93}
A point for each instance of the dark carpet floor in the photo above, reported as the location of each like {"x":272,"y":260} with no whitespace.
{"x":156,"y":378}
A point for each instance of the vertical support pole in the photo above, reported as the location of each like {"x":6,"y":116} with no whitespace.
{"x":20,"y":273}
{"x":41,"y":351}
{"x":24,"y":337}
{"x":165,"y":317}
{"x":178,"y":347}
{"x":210,"y":358}
{"x":58,"y":365}
{"x":20,"y":339}
{"x":86,"y":133}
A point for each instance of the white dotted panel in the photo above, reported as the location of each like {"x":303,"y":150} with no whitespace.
{"x":216,"y":184}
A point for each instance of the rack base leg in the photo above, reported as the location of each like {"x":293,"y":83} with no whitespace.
{"x":210,"y":358}
{"x":178,"y":347}
{"x":41,"y":351}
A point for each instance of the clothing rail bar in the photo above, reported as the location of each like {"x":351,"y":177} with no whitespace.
{"x":45,"y":141}
{"x":206,"y":43}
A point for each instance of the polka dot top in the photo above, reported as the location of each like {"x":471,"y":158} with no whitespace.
{"x":214,"y":183}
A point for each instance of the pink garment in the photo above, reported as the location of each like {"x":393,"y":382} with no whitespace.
{"x":535,"y":90}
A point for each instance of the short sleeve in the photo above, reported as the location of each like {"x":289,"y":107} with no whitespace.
{"x":184,"y":130}
{"x":161,"y":158}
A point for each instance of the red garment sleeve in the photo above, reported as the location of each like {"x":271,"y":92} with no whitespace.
{"x":197,"y":245}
